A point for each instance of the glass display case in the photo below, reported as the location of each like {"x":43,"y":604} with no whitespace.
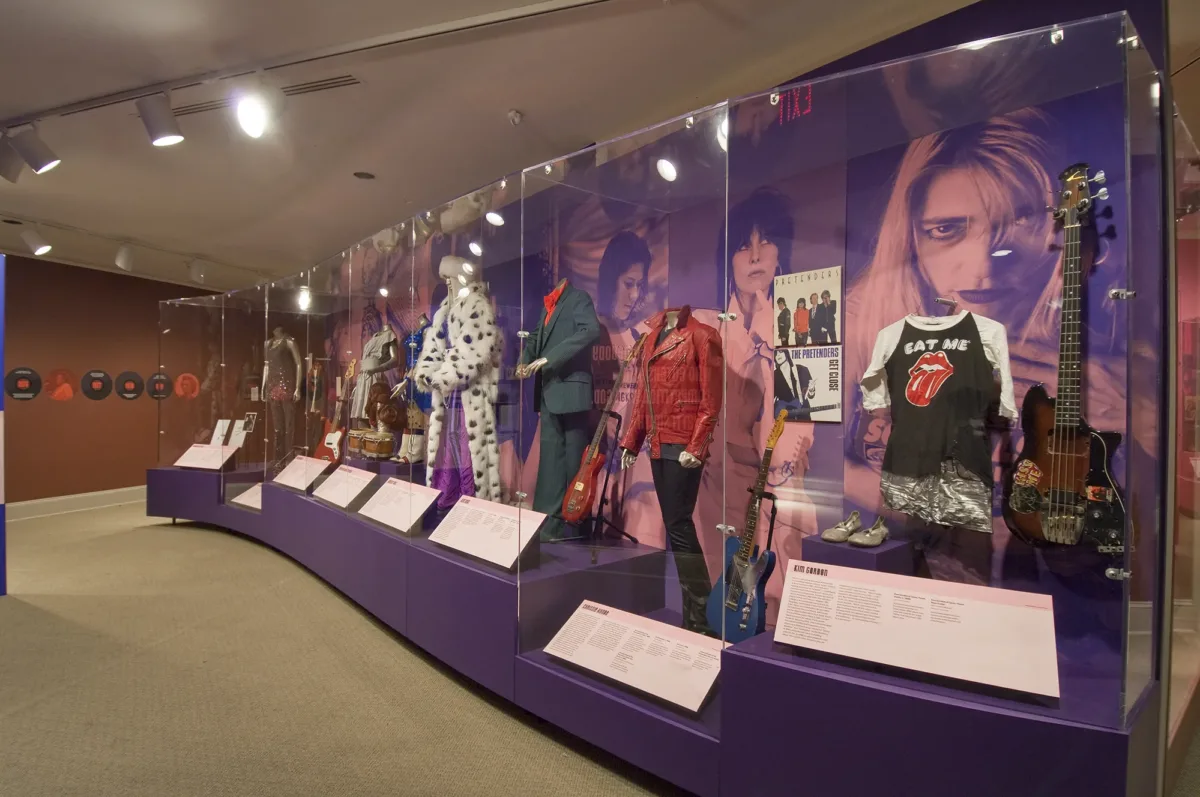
{"x":189,"y":384}
{"x":849,"y":392}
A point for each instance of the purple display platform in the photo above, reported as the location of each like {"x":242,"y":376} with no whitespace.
{"x":835,"y":729}
{"x":893,"y":556}
{"x":467,"y":615}
{"x":181,"y":493}
{"x":674,"y":746}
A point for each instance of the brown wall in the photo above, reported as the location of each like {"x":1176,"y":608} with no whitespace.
{"x":79,"y":319}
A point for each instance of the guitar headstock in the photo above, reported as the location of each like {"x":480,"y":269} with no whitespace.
{"x":777,"y":429}
{"x":350,"y":369}
{"x":1076,"y":200}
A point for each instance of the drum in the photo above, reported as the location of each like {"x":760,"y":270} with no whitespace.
{"x":378,"y":445}
{"x":354,"y":442}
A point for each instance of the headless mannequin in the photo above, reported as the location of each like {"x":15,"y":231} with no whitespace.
{"x":369,"y":369}
{"x":281,"y":389}
{"x":629,"y":457}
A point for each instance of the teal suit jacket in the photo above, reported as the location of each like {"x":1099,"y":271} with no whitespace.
{"x":564,"y":384}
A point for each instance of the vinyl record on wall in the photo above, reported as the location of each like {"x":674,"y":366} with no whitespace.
{"x":159,"y":386}
{"x":96,"y":385}
{"x":187,"y":386}
{"x":22,"y":384}
{"x":129,"y":385}
{"x":60,"y":384}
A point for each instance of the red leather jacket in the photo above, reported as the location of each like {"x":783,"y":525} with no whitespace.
{"x":680,"y":384}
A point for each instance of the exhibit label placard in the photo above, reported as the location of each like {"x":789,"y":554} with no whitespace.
{"x":251,"y":498}
{"x":399,"y":504}
{"x":205,"y":457}
{"x":496,"y":533}
{"x":219,"y":432}
{"x":301,"y":472}
{"x":237,"y":438}
{"x":998,"y":637}
{"x":344,"y":485}
{"x":669,"y":663}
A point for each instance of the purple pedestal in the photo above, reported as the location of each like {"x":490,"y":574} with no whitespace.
{"x":183,"y":494}
{"x":835,"y":730}
{"x":367,"y":564}
{"x":893,"y":556}
{"x":465,"y":612}
{"x":674,"y":746}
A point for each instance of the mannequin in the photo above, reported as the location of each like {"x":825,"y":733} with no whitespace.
{"x":460,"y":362}
{"x":378,"y":355}
{"x":675,"y":412}
{"x":281,"y":389}
{"x":558,"y":354}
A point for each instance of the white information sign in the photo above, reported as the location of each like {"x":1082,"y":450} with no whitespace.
{"x":400,"y":504}
{"x":999,"y":637}
{"x":496,"y":533}
{"x":344,"y":485}
{"x":237,"y":438}
{"x":205,"y":457}
{"x":301,"y":472}
{"x":669,"y":663}
{"x":250,"y":498}
{"x":219,"y":432}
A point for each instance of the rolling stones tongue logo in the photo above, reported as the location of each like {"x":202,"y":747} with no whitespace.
{"x":926,"y":377}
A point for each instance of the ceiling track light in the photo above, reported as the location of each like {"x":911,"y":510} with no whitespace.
{"x":36,"y":243}
{"x":10,"y":162}
{"x":159,"y":120}
{"x":33,"y":150}
{"x":196,"y":272}
{"x":124,"y":258}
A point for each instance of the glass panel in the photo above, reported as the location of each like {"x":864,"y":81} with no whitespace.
{"x":893,"y":198}
{"x":623,"y":264}
{"x":1144,"y":455}
{"x":188,"y":378}
{"x":244,"y":331}
{"x":1185,"y":643}
{"x":286,"y":349}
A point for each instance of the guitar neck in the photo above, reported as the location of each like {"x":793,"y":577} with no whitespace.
{"x":751,"y":524}
{"x":1067,"y":408}
{"x":594,"y":448}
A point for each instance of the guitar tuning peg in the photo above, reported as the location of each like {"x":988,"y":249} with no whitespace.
{"x":1099,"y":178}
{"x":1102,"y":193}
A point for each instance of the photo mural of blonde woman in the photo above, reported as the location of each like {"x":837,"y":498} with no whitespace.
{"x":963,"y":217}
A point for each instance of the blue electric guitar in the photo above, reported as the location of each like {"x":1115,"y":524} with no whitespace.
{"x":737,"y":604}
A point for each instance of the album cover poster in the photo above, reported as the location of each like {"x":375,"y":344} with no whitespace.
{"x":808,"y":383}
{"x":808,"y":308}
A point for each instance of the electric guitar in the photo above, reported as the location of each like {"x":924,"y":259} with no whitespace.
{"x":802,"y":413}
{"x":330,"y":447}
{"x":581,"y":494}
{"x":1061,"y":489}
{"x":738,"y":603}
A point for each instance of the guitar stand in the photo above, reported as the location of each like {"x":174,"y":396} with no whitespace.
{"x":765,"y":496}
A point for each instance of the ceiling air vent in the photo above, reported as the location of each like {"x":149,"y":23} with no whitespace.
{"x":312,"y":86}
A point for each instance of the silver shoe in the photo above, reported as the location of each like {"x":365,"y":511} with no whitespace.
{"x":842,"y":531}
{"x":870,"y":538}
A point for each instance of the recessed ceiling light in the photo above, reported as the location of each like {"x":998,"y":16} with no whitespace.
{"x":494,"y":219}
{"x":13,"y":221}
{"x":364,"y":175}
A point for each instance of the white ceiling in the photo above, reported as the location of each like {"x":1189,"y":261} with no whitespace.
{"x":428,"y":116}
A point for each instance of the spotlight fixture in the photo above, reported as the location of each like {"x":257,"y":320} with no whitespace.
{"x":36,"y":243}
{"x":124,"y":258}
{"x":196,"y":272}
{"x":159,"y":120}
{"x":475,"y":248}
{"x":33,"y":150}
{"x":10,"y":162}
{"x":667,"y":170}
{"x":253,"y":115}
{"x":493,"y":218}
{"x":383,"y":292}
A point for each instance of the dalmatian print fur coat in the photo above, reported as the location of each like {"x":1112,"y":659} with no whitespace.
{"x":462,"y":352}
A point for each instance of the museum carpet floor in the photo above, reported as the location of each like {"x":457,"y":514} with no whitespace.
{"x":140,"y":658}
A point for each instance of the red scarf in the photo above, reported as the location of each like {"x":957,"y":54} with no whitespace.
{"x":552,"y":299}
